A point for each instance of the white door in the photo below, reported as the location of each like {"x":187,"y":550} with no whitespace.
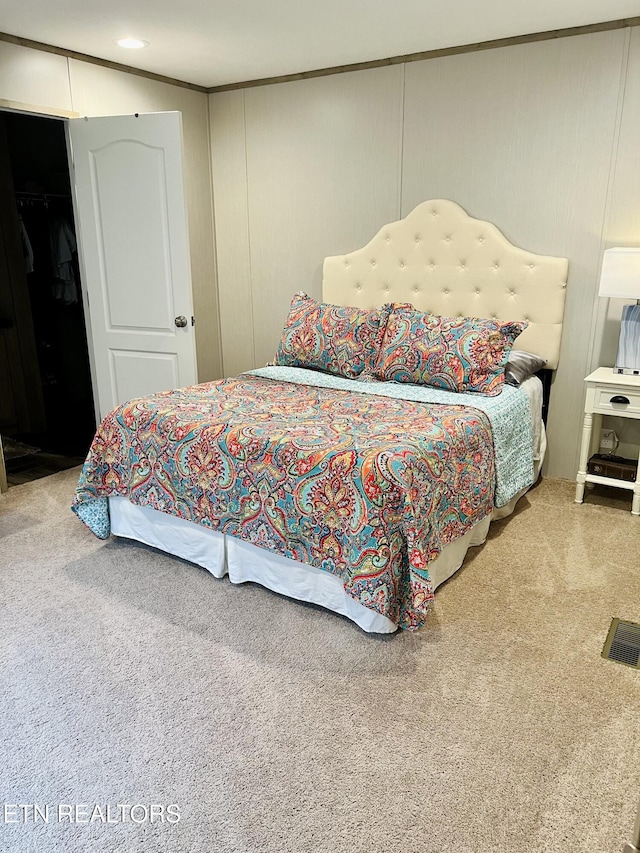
{"x":133,"y":247}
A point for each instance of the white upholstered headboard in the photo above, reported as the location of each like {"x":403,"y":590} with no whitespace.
{"x":444,"y":262}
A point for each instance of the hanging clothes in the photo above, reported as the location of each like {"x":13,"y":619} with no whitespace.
{"x":27,"y":250}
{"x":63,"y":247}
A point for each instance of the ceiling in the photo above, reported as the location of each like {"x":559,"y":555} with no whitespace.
{"x":213,"y":43}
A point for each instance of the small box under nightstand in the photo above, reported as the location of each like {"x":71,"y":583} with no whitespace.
{"x":606,"y":465}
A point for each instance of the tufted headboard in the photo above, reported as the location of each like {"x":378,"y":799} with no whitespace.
{"x":443,"y":261}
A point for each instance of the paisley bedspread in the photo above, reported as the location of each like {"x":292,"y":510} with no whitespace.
{"x":366,"y":487}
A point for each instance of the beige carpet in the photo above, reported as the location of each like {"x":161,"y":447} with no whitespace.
{"x":129,"y":677}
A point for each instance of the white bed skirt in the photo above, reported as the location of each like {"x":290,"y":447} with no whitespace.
{"x":225,"y":555}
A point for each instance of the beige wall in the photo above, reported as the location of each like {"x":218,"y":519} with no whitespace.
{"x":539,"y":138}
{"x":621,"y":225}
{"x":296,"y":174}
{"x":48,"y":83}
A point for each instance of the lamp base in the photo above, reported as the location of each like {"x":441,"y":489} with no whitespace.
{"x":628,"y":358}
{"x":627,"y":371}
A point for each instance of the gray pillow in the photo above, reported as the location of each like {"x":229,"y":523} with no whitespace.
{"x":521,"y":366}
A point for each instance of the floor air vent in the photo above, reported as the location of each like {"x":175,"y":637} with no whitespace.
{"x":623,"y":643}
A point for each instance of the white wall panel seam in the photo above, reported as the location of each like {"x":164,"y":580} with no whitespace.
{"x":246,"y":183}
{"x":214,"y":240}
{"x":401,"y":140}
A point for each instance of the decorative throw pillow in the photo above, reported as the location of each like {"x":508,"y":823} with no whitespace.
{"x":521,"y":366}
{"x":343,"y":341}
{"x":454,"y":353}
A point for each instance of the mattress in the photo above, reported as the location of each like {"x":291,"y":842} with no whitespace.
{"x":224,"y":555}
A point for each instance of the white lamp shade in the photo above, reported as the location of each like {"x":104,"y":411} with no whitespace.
{"x":620,"y":276}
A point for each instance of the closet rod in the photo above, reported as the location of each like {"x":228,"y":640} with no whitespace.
{"x":22,"y":194}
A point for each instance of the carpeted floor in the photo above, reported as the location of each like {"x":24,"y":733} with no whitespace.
{"x":132,"y":678}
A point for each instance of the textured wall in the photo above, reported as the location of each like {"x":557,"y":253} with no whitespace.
{"x":539,"y":139}
{"x":296,"y":170}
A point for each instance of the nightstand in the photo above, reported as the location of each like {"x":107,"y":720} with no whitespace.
{"x":608,"y":393}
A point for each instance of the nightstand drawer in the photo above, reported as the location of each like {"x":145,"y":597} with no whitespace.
{"x":603,"y":398}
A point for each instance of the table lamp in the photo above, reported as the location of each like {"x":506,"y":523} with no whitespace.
{"x":620,"y":279}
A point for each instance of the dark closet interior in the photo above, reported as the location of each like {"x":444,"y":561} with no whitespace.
{"x":46,"y":399}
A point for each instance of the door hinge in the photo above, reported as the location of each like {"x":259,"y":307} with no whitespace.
{"x":193,"y":320}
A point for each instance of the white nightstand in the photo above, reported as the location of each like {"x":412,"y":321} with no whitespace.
{"x":608,"y":393}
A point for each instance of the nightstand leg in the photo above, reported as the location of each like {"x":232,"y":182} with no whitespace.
{"x":635,"y":503}
{"x":594,"y":444}
{"x":587,"y":427}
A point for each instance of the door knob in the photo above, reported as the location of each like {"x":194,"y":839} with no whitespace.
{"x":181,"y":321}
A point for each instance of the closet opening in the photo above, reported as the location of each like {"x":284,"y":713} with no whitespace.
{"x":47,"y":415}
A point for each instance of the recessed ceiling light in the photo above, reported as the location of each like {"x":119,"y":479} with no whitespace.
{"x":132,"y":43}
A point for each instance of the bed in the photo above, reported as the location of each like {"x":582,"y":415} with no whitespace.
{"x":360,"y":493}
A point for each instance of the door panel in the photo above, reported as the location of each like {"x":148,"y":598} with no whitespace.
{"x":136,"y":276}
{"x":131,"y":370}
{"x":133,"y":243}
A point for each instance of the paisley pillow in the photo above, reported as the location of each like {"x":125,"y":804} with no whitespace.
{"x":455,"y":353}
{"x":343,"y":341}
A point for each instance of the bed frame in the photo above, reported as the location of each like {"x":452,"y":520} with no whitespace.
{"x":443,"y":261}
